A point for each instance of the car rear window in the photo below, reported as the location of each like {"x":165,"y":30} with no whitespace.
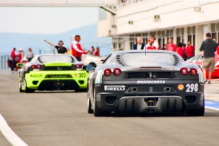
{"x":56,"y":58}
{"x":148,"y":59}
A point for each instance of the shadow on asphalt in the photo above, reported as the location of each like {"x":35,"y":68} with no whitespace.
{"x":207,"y":114}
{"x":56,"y":91}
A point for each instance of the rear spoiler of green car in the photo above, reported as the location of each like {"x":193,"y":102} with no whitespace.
{"x":57,"y":64}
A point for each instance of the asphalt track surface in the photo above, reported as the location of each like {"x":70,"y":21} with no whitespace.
{"x":61,"y":119}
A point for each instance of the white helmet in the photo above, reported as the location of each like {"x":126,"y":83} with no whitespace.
{"x":20,"y":49}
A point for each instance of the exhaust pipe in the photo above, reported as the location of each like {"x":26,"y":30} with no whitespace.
{"x":134,"y":89}
{"x":167,"y":89}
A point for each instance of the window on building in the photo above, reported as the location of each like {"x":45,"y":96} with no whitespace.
{"x":114,"y":45}
{"x":161,"y":39}
{"x":191,"y":35}
{"x":193,"y":41}
{"x":153,"y":33}
{"x":169,"y":34}
{"x":217,"y":27}
{"x":120,"y":45}
{"x":145,"y":38}
{"x":215,"y":30}
{"x":132,"y":41}
{"x":180,"y":35}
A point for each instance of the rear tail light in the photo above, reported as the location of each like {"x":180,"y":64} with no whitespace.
{"x":38,"y":66}
{"x":33,"y":66}
{"x":184,"y":71}
{"x":193,"y":71}
{"x":79,"y":66}
{"x":117,"y":71}
{"x":107,"y":72}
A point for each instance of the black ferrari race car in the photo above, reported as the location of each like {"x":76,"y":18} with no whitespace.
{"x":145,"y":82}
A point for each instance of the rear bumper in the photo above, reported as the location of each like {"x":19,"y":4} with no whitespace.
{"x":124,"y":102}
{"x":40,"y":81}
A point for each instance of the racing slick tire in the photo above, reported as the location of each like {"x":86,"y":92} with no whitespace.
{"x":89,"y":106}
{"x":20,"y":88}
{"x":89,"y":109}
{"x":28,"y":90}
{"x":198,"y":112}
{"x":98,"y":112}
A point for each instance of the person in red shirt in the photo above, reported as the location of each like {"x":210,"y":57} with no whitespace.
{"x":180,"y":50}
{"x":76,"y":48}
{"x":170,"y":46}
{"x":20,"y":55}
{"x":97,"y":52}
{"x":189,"y":50}
{"x":13,"y":57}
{"x":217,"y":49}
{"x":152,"y":44}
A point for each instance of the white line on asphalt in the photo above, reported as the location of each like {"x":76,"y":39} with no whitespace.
{"x":9,"y":133}
{"x":212,"y":108}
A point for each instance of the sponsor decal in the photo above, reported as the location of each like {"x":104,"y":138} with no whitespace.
{"x":36,"y":76}
{"x":75,"y":75}
{"x":114,"y":88}
{"x":82,"y":75}
{"x":151,"y":82}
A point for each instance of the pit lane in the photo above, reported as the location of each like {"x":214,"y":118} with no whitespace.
{"x":60,"y":118}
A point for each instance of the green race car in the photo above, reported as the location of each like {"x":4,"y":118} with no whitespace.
{"x":53,"y":72}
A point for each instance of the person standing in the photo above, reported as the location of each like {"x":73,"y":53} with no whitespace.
{"x":180,"y":50}
{"x":13,"y":57}
{"x":170,"y":46}
{"x":139,"y":45}
{"x":209,"y":47}
{"x":76,"y":48}
{"x":97,"y":52}
{"x":29,"y":55}
{"x":92,"y":51}
{"x":189,"y":50}
{"x":60,"y":48}
{"x":152,"y":44}
{"x":20,"y":55}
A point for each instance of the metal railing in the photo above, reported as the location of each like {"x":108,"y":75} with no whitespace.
{"x":4,"y":69}
{"x":5,"y":56}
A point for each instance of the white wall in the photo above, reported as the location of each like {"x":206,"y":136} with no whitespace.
{"x":176,"y":13}
{"x":105,"y":25}
{"x":56,"y":3}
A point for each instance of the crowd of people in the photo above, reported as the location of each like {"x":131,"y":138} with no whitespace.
{"x":76,"y":50}
{"x":209,"y":47}
{"x":19,"y":57}
{"x":186,"y":52}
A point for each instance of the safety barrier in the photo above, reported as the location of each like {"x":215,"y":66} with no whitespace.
{"x":4,"y":69}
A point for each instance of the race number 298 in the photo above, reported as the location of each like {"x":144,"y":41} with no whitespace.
{"x":191,"y":87}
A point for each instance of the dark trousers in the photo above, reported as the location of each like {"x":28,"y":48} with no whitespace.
{"x":29,"y":59}
{"x":13,"y":64}
{"x":78,"y":58}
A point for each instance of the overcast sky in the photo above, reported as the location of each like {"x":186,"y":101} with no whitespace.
{"x":45,"y":20}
